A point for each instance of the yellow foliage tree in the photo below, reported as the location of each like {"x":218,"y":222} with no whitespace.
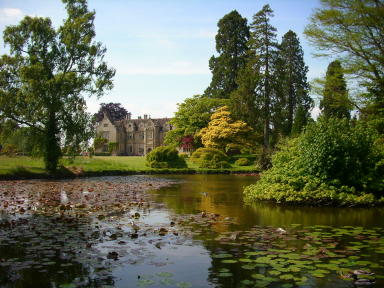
{"x":223,"y":132}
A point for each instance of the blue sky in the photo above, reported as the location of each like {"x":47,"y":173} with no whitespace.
{"x":161,"y":48}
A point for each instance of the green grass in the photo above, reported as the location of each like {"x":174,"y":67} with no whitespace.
{"x":25,"y":166}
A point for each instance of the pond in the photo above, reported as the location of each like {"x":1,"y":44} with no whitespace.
{"x":179,"y":231}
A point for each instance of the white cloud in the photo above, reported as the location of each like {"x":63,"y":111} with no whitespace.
{"x":10,"y":15}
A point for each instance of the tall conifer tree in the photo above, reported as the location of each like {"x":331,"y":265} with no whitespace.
{"x":263,"y":43}
{"x":335,"y":102}
{"x":291,"y":82}
{"x":231,"y":44}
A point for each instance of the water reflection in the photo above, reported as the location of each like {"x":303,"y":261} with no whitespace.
{"x":222,"y":194}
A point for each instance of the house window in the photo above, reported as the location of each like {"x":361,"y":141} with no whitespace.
{"x":141,"y":150}
{"x":130,"y":136}
{"x":141,"y":135}
{"x":106,"y":125}
{"x":150,"y":135}
{"x":130,"y":150}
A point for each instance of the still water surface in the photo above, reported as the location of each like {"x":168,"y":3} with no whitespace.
{"x":210,"y":239}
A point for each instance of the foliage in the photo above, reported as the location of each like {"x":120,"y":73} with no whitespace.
{"x":25,"y":139}
{"x":242,"y":162}
{"x":114,"y":110}
{"x":192,"y":115}
{"x":335,"y":102}
{"x":9,"y":149}
{"x":263,"y":43}
{"x":210,"y":158}
{"x":335,"y":151}
{"x":112,"y":147}
{"x":332,"y":162}
{"x":99,"y":142}
{"x":223,"y":131}
{"x":165,"y":157}
{"x":102,"y":153}
{"x":353,"y":30}
{"x":243,"y":103}
{"x":231,"y":44}
{"x":290,"y":85}
{"x":47,"y":74}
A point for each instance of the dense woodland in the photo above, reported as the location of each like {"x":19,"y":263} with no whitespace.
{"x":258,"y":102}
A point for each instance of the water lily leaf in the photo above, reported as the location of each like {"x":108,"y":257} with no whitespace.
{"x":184,"y":285}
{"x":225,"y":274}
{"x":229,"y":261}
{"x":274,"y":272}
{"x":145,"y":282}
{"x":248,"y":267}
{"x":258,"y":276}
{"x":223,"y":255}
{"x":286,"y":277}
{"x":246,"y":260}
{"x":165,"y":274}
{"x":69,"y":285}
{"x":246,"y":282}
{"x":167,"y":282}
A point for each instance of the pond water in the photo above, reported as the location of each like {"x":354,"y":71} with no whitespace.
{"x":184,"y":231}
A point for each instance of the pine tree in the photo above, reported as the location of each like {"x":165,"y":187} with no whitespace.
{"x":243,"y":101}
{"x":335,"y":102}
{"x":231,"y":44}
{"x":263,"y":43}
{"x":291,"y":85}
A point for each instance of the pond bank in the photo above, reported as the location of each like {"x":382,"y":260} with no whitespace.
{"x":23,"y":167}
{"x":68,"y":174}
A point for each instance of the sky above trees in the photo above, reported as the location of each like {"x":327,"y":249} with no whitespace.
{"x":161,"y":49}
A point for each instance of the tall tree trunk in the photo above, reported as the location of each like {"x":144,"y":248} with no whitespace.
{"x":52,"y":147}
{"x":291,"y":105}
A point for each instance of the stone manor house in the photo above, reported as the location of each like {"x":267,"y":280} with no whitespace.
{"x":135,"y":137}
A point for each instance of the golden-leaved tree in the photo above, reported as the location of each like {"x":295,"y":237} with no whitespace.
{"x":223,"y":132}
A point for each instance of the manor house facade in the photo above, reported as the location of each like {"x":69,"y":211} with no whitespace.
{"x":134,"y":137}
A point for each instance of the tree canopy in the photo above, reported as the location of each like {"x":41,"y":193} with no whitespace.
{"x":354,"y":30}
{"x":115,"y":111}
{"x":44,"y":79}
{"x":222,"y":131}
{"x":335,"y":102}
{"x":192,"y":115}
{"x":292,"y":82}
{"x":231,"y":44}
{"x":263,"y":43}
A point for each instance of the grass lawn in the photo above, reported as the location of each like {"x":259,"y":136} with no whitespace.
{"x":26,"y":166}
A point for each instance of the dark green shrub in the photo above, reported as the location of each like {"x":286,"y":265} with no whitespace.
{"x":102,"y":154}
{"x":210,"y":158}
{"x":333,"y":150}
{"x":331,"y":163}
{"x":9,"y":150}
{"x":165,"y":157}
{"x":242,"y":162}
{"x":112,"y":147}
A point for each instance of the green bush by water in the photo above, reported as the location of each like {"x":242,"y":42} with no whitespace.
{"x":242,"y":162}
{"x":210,"y":158}
{"x":165,"y":157}
{"x":332,"y":163}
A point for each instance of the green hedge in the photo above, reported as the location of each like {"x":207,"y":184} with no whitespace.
{"x":165,"y":157}
{"x":242,"y":162}
{"x":210,"y":158}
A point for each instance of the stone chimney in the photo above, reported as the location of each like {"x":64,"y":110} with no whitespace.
{"x":139,"y":117}
{"x":145,"y":116}
{"x":129,"y":116}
